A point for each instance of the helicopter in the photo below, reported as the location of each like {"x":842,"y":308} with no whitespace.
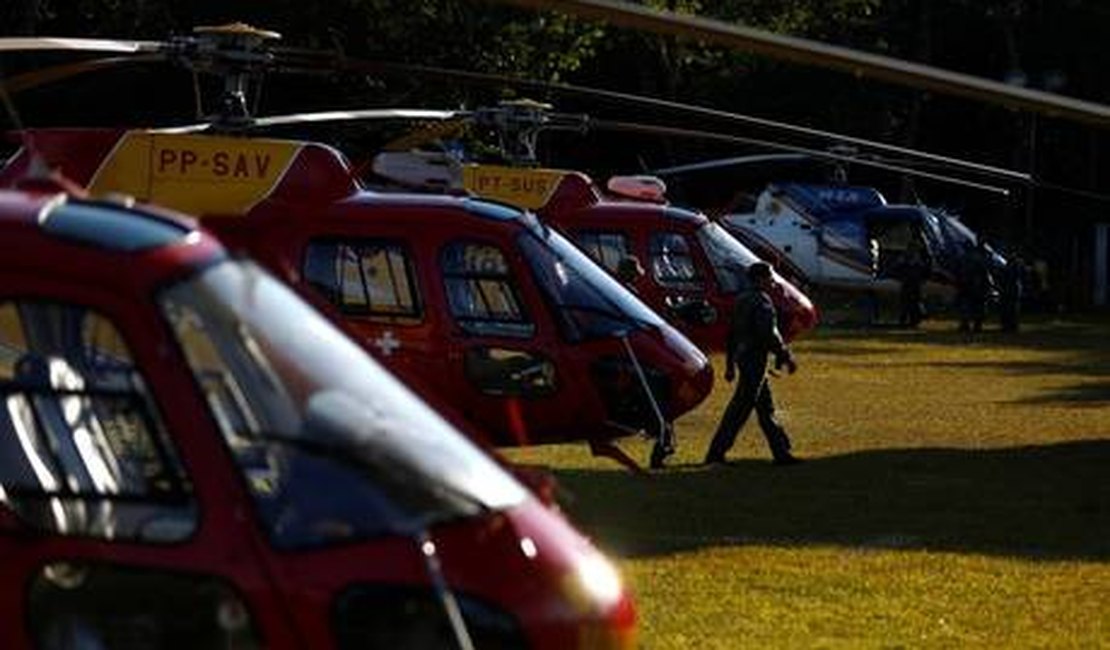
{"x":836,"y":238}
{"x":193,"y":456}
{"x":848,"y":237}
{"x":694,"y":267}
{"x":478,"y":305}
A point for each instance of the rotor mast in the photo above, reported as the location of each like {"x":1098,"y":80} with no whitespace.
{"x":236,"y":53}
{"x":518,"y":124}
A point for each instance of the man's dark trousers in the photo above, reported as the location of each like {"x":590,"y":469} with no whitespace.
{"x":752,"y":392}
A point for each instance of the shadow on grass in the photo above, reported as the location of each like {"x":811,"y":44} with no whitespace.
{"x":1078,"y":348}
{"x":1077,"y":334}
{"x":1046,"y":502}
{"x":1083,"y":395}
{"x":1078,"y":344}
{"x":1086,"y":393}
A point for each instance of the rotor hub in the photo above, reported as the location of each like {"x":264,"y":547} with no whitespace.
{"x":236,"y":52}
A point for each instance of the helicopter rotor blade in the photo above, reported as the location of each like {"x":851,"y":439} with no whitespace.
{"x":323,"y":117}
{"x":814,"y":53}
{"x":299,"y":60}
{"x":816,"y":153}
{"x":754,"y":159}
{"x":53,"y":74}
{"x":443,"y":123}
{"x":41,"y":44}
{"x":641,"y":101}
{"x":454,"y":119}
{"x":355,"y":116}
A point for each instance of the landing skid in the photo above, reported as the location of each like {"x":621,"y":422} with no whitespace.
{"x":609,"y":449}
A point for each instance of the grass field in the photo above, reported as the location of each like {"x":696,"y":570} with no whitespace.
{"x":956,"y":494}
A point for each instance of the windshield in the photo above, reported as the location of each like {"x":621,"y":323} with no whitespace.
{"x":727,"y":255}
{"x":962,"y":238}
{"x":934,"y":237}
{"x":330,"y":444}
{"x":958,"y":236}
{"x":590,"y":302}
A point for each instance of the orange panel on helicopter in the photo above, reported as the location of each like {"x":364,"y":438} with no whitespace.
{"x":525,"y":188}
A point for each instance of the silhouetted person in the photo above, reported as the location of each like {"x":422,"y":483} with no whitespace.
{"x":753,"y":334}
{"x":871,"y":297}
{"x":629,"y":271}
{"x":974,"y":287}
{"x":912,"y":273}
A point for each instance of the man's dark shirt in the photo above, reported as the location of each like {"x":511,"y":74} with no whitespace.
{"x":753,"y":330}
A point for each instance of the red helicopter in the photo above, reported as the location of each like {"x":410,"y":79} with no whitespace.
{"x":480,"y":306}
{"x":694,"y":267}
{"x":193,"y":457}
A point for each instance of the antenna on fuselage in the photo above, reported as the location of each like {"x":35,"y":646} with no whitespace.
{"x":9,"y":107}
{"x":37,"y":169}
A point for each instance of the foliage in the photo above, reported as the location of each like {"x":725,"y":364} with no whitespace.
{"x":1055,"y":46}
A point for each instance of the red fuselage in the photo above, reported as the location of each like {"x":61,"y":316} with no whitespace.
{"x":90,"y":288}
{"x":449,"y":294}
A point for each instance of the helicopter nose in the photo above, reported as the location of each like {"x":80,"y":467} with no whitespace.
{"x":692,"y":375}
{"x":653,"y":368}
{"x":797,"y":313}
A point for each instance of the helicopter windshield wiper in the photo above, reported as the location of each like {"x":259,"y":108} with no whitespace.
{"x":415,"y":527}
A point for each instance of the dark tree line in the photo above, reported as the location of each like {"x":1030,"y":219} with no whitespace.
{"x":1054,"y":45}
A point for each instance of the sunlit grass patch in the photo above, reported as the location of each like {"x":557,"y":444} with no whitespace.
{"x":955,"y":494}
{"x":786,"y":597}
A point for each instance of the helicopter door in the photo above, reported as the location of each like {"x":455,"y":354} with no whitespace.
{"x":848,"y":256}
{"x":88,"y":469}
{"x":894,"y":240}
{"x":613,"y":252}
{"x":506,"y":367}
{"x":604,"y":247}
{"x":676,"y":273}
{"x":373,"y":282}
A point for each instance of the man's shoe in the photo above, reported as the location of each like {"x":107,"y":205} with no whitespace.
{"x":786,"y":459}
{"x":714,"y":460}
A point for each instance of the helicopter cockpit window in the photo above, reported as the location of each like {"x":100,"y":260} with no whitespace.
{"x":331,"y":447}
{"x":934,"y":237}
{"x":481,"y":292}
{"x":728,"y":257}
{"x":606,"y":248}
{"x":367,"y":277}
{"x":588,"y":302}
{"x":894,"y":240}
{"x":672,"y":262}
{"x":82,"y":447}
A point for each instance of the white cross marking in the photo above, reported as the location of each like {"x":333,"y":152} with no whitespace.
{"x":387,"y":343}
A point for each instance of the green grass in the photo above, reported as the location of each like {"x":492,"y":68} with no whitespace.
{"x":956,"y":494}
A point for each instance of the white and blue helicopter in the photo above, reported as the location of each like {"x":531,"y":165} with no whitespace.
{"x":849,"y":237}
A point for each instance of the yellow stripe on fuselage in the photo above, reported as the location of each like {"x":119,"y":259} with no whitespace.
{"x":525,"y":188}
{"x":198,"y":174}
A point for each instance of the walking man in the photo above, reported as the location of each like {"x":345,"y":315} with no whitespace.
{"x":753,"y":334}
{"x":913,"y":271}
{"x":974,"y":286}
